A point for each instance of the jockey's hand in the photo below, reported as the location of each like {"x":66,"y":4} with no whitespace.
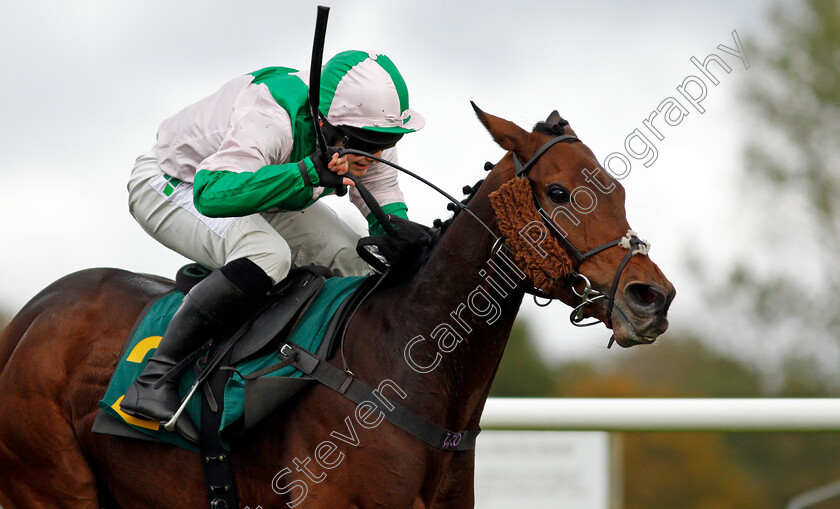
{"x":329,"y":172}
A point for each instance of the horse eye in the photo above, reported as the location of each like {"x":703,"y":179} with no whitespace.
{"x":558,"y":195}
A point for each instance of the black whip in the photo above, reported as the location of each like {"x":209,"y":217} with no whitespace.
{"x":315,"y":86}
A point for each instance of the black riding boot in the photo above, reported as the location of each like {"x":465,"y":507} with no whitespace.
{"x":204,"y":308}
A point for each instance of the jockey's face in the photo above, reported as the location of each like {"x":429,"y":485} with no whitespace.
{"x":357,"y":165}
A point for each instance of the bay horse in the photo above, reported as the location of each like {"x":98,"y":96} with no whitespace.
{"x":437,"y":337}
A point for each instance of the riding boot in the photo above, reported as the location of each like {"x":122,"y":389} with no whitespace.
{"x":207,"y":305}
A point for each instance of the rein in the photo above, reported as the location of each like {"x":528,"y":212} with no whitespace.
{"x":449,"y":197}
{"x":630,"y":241}
{"x":343,"y":380}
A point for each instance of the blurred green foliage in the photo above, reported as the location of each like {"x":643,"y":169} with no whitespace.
{"x":795,"y":96}
{"x":689,"y":470}
{"x":790,"y":181}
{"x":522,"y":373}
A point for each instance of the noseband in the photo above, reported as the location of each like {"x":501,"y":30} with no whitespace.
{"x":629,"y":241}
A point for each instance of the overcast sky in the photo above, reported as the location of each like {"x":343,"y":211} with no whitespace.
{"x":86,"y":83}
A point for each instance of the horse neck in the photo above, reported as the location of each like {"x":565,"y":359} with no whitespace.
{"x":463,"y":295}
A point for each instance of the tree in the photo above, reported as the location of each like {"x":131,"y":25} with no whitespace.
{"x":686,"y":471}
{"x":708,"y":470}
{"x":522,"y":373}
{"x":791,"y":184}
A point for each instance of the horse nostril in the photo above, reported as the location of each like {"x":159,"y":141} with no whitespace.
{"x":644,"y":295}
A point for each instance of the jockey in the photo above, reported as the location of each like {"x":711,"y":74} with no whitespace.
{"x":233,"y":183}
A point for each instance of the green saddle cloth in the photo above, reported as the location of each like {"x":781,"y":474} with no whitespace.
{"x":309,"y":334}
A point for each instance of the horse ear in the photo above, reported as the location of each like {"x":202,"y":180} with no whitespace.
{"x":507,"y":134}
{"x":563,"y":127}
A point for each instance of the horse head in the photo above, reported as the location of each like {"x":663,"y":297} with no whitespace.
{"x":562,"y":216}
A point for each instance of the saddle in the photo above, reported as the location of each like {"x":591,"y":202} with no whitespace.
{"x":240,"y":379}
{"x":250,"y":371}
{"x":246,"y":355}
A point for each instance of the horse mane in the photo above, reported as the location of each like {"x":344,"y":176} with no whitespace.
{"x":470,"y":191}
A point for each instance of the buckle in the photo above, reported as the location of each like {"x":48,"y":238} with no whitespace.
{"x":287,"y":350}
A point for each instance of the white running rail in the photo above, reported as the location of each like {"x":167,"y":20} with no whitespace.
{"x":663,"y":414}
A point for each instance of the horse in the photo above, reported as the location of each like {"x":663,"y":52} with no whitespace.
{"x":435,"y":338}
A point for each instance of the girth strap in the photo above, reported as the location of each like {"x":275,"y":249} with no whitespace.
{"x":354,"y":390}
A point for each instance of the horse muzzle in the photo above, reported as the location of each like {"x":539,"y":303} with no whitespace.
{"x":640,"y":313}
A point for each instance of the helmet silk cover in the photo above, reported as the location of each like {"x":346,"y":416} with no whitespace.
{"x":365,"y":90}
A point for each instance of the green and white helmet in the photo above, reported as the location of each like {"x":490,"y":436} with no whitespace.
{"x":365,"y":90}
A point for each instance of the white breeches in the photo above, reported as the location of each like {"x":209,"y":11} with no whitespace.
{"x":274,"y":241}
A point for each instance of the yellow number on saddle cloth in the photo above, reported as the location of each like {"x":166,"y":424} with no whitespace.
{"x":137,"y":354}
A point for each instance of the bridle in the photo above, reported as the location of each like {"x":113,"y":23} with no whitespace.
{"x":588,"y":295}
{"x":629,"y":241}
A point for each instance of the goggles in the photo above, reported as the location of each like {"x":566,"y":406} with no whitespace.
{"x":351,"y":142}
{"x":356,"y":138}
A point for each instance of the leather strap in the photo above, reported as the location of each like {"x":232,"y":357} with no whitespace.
{"x":523,"y":169}
{"x":354,"y":390}
{"x":215,"y":459}
{"x":634,"y":242}
{"x":373,"y":205}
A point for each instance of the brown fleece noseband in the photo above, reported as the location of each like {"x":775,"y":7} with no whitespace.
{"x":517,"y":208}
